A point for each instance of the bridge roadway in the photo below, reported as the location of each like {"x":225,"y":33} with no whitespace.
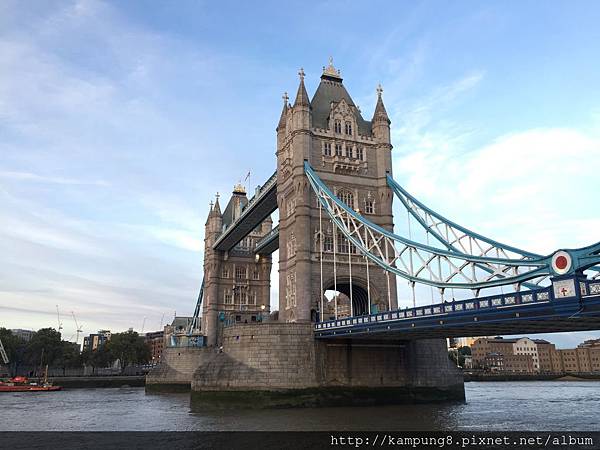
{"x":515,"y":313}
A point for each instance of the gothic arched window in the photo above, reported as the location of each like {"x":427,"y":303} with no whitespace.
{"x":349,"y":150}
{"x":359,"y":153}
{"x":337,"y":126}
{"x":347,"y":197}
{"x":348,"y":128}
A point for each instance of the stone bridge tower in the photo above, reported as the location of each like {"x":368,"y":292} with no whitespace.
{"x":353,"y":157}
{"x":236,"y":283}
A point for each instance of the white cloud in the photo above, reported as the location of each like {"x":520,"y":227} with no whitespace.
{"x":32,"y":177}
{"x":532,"y":189}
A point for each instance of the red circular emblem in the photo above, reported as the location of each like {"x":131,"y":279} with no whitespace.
{"x":561,"y":262}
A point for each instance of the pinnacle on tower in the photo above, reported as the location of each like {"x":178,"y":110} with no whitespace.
{"x":380,"y":113}
{"x":217,"y":208}
{"x":301,"y":95}
{"x":284,"y":111}
{"x":330,"y":72}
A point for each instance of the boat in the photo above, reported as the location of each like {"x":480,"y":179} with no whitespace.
{"x":22,"y":384}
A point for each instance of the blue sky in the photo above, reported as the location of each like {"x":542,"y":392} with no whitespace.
{"x":120,"y":120}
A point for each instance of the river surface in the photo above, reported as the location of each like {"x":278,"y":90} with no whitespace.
{"x":490,"y":406}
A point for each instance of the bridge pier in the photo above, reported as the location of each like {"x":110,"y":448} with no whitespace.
{"x":282,"y":365}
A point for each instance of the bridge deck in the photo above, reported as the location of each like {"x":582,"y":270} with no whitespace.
{"x":516,"y":313}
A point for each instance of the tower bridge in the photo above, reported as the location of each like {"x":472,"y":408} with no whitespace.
{"x":334,"y":190}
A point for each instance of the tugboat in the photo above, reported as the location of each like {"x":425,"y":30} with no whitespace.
{"x":22,"y":384}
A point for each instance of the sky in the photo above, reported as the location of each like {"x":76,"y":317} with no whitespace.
{"x":119,"y":121}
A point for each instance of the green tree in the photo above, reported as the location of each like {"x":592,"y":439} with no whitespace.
{"x":45,"y":347}
{"x":96,"y":358}
{"x":457,"y":357}
{"x":11,"y":344}
{"x":465,"y":350}
{"x":128,"y":348}
{"x":14,"y":348}
{"x":70,"y":356}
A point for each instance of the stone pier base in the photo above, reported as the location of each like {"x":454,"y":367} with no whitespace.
{"x":282,"y":365}
{"x":176,"y":369}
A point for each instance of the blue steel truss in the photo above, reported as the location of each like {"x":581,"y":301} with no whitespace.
{"x":424,"y":264}
{"x":458,"y":238}
{"x":194,"y":323}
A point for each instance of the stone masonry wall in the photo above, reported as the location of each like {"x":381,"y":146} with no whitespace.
{"x":284,"y":356}
{"x":177,"y":366}
{"x":262,"y":357}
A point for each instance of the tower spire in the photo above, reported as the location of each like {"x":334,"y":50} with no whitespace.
{"x":301,"y":95}
{"x":380,"y":113}
{"x":217,"y":207}
{"x":284,"y":111}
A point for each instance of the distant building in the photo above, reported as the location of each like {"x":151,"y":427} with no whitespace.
{"x":177,"y":334}
{"x":526,"y":347}
{"x":468,"y":364}
{"x":505,"y":355}
{"x":156,"y":341}
{"x":462,"y":342}
{"x":96,"y":340}
{"x":23,"y":335}
{"x":535,"y":356}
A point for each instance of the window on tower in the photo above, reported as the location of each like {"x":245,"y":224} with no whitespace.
{"x":349,"y":150}
{"x":240,"y":273}
{"x":328,"y":243}
{"x":337,"y":126}
{"x":338,"y":150}
{"x":359,"y":153}
{"x":327,"y":149}
{"x":369,"y":207}
{"x":347,"y":197}
{"x":348,"y":128}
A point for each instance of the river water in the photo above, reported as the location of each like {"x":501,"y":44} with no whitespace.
{"x":490,"y":406}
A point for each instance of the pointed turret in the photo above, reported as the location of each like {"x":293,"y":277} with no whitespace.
{"x":217,"y":209}
{"x":302,"y":108}
{"x":214,"y":224}
{"x":302,"y":95}
{"x":284,"y":112}
{"x":380,"y":113}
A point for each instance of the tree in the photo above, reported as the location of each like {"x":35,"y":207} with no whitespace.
{"x":128,"y":348}
{"x":70,"y":356}
{"x":465,"y":350}
{"x":14,"y":349}
{"x":45,"y":347}
{"x":10,"y":342}
{"x":96,"y":358}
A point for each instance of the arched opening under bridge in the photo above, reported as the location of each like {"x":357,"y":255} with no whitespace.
{"x":360,"y":300}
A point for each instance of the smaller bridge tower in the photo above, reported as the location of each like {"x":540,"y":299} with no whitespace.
{"x":237,"y":283}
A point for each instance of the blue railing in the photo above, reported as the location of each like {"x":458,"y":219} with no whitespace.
{"x":587,"y":288}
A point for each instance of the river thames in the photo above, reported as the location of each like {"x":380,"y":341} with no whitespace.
{"x":490,"y":406}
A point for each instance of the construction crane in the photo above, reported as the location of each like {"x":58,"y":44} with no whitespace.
{"x":78,"y":328}
{"x":3,"y":353}
{"x":60,"y":327}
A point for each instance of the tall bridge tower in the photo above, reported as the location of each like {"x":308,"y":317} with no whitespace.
{"x":353,"y":156}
